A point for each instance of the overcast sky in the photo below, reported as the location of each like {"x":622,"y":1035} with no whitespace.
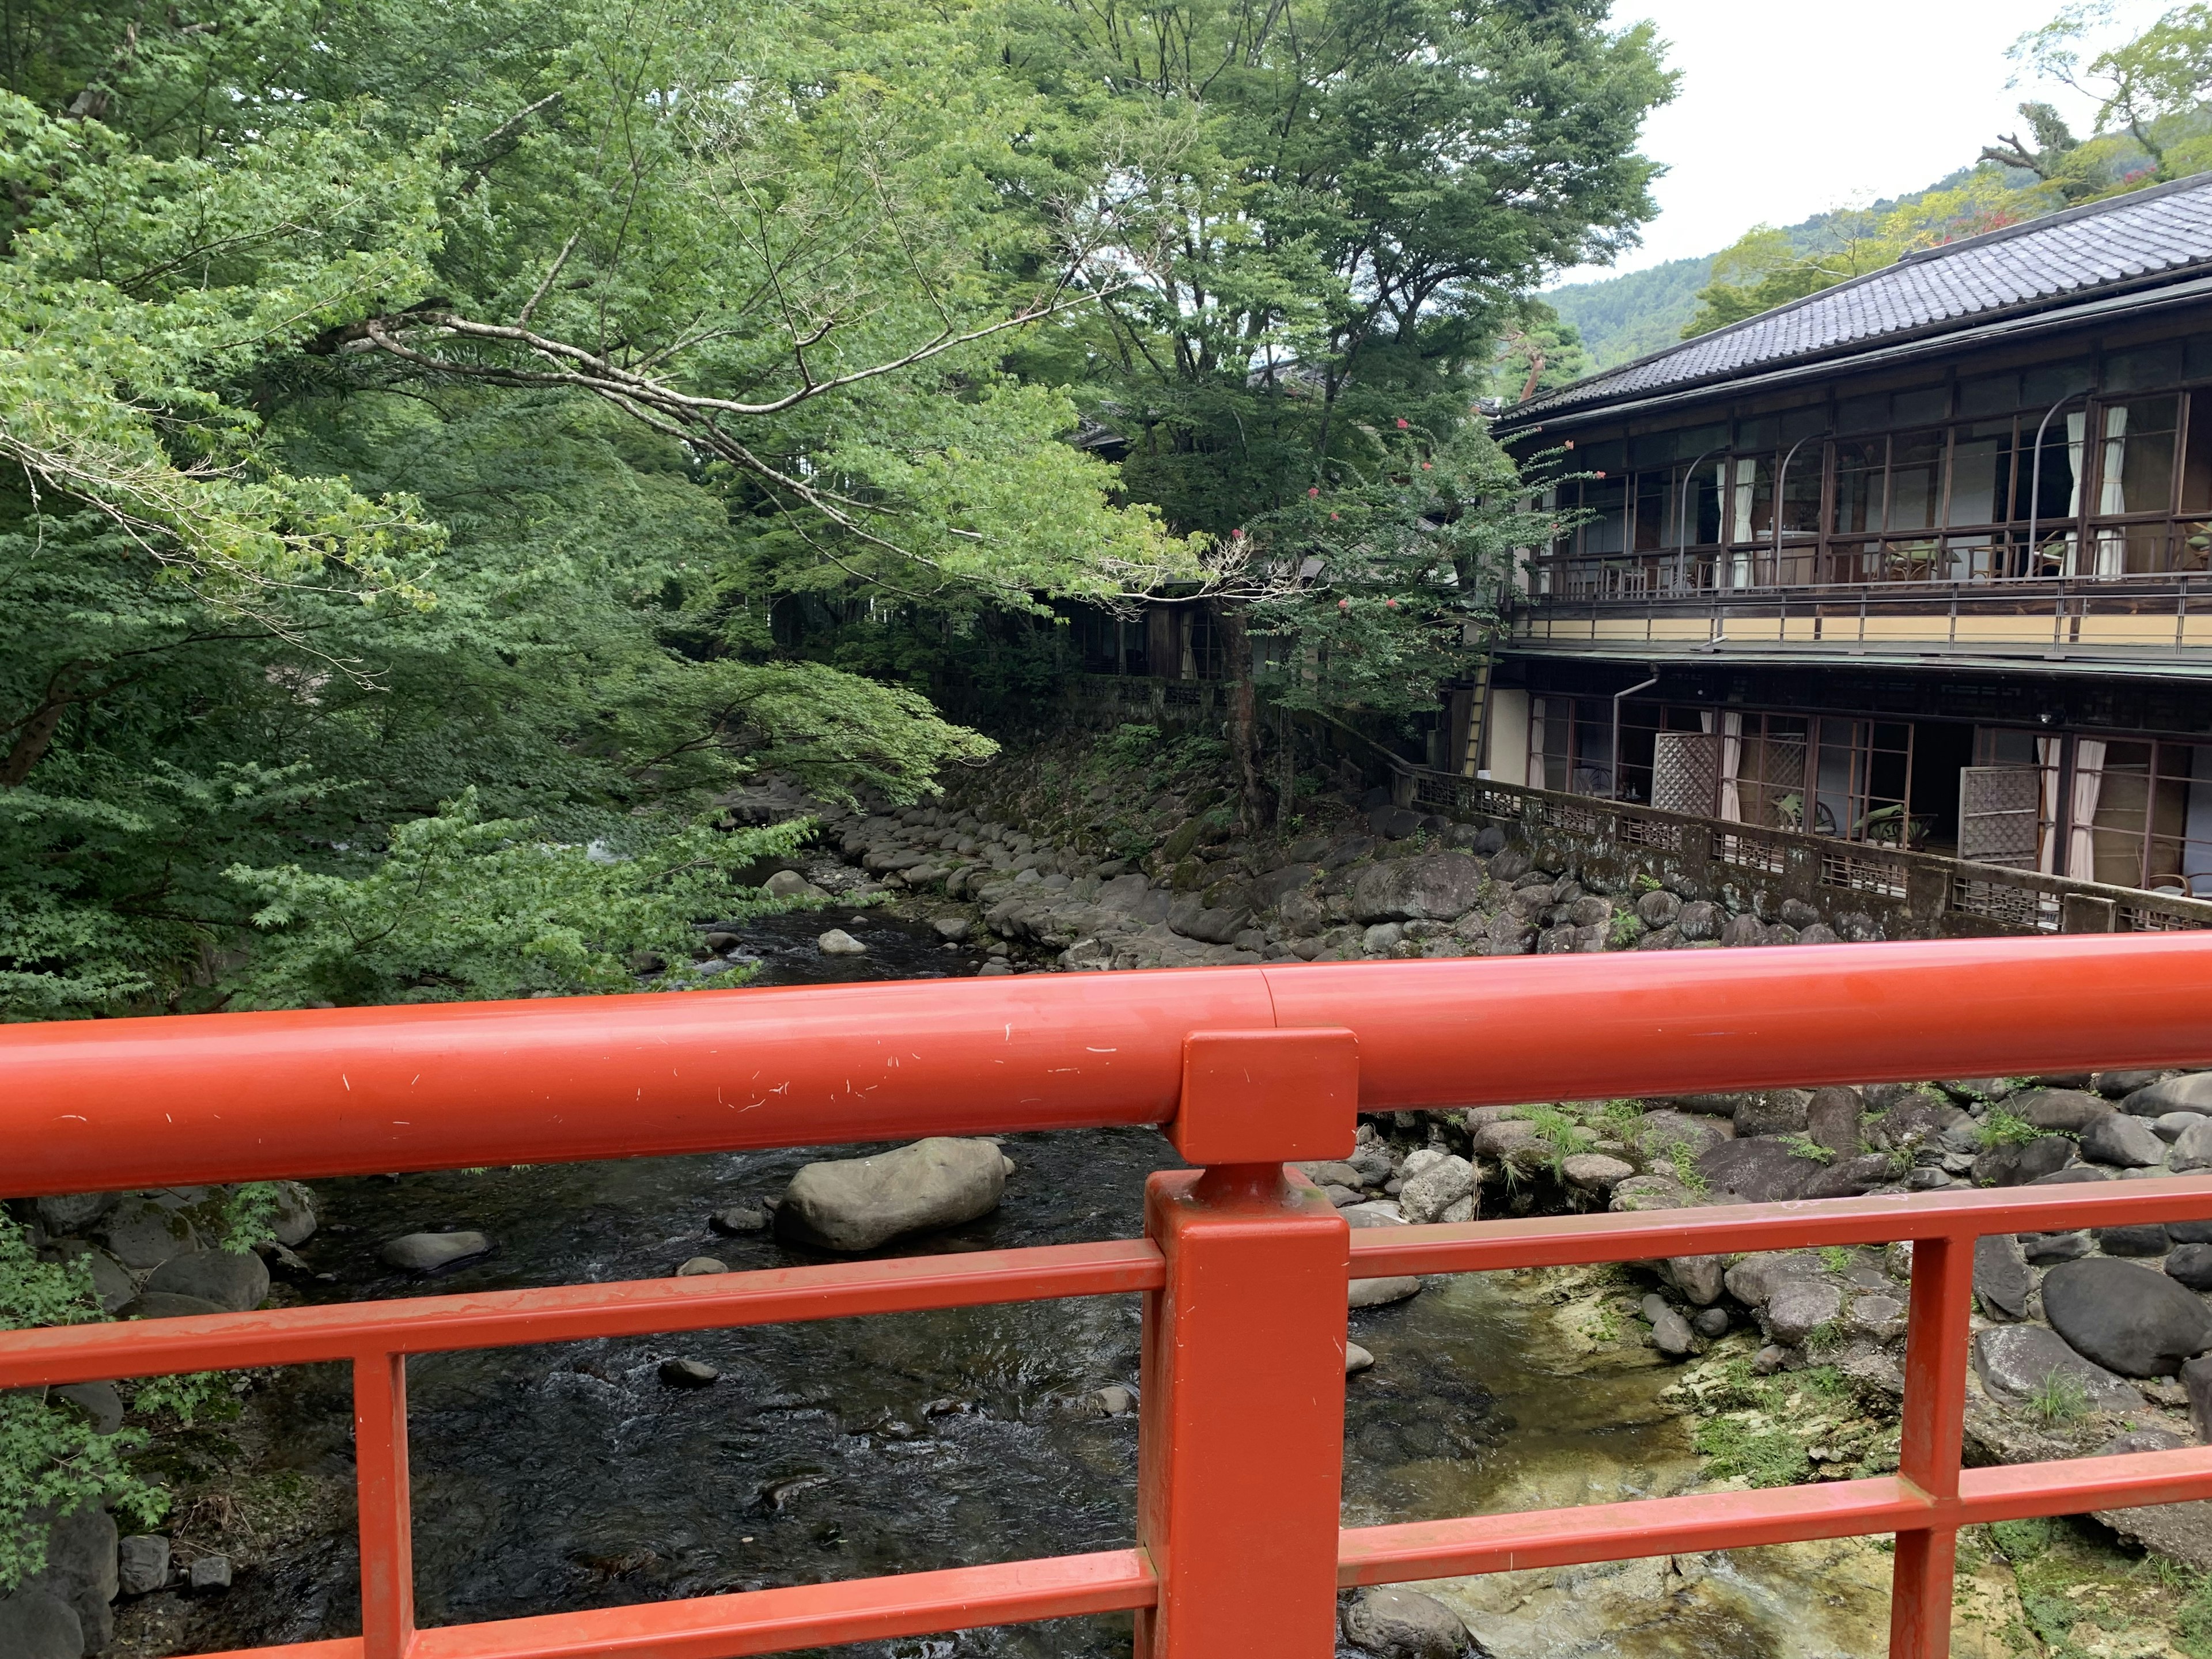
{"x":1788,"y":108}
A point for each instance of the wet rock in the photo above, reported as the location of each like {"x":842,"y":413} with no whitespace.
{"x":2190,"y":1092}
{"x":1757,"y":1171}
{"x":2124,"y":1142}
{"x":2048,"y":1249}
{"x":235,"y":1279}
{"x":2017,"y":1165}
{"x":2126,"y":1316}
{"x":430,"y":1253}
{"x":2002,"y":1280}
{"x":2137,"y":1238}
{"x":1357,"y":1360}
{"x":142,"y":1564}
{"x":738,"y":1219}
{"x":1379,"y":1293}
{"x":210,"y":1576}
{"x":142,"y":1234}
{"x":857,"y":1204}
{"x":2016,"y":1362}
{"x":689,"y":1374}
{"x":1394,"y":1623}
{"x":700,"y":1265}
{"x":839,"y":943}
{"x":35,"y":1624}
{"x":2192,"y":1264}
{"x":1775,"y":1112}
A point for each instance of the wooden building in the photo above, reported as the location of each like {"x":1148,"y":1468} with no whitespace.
{"x":1924,"y":561}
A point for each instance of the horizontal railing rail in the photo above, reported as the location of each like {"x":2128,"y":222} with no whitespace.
{"x":1239,"y":1552}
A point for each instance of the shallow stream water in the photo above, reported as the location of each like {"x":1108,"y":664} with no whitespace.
{"x":569,"y":1476}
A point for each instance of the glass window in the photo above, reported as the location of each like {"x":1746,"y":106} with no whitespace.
{"x":1994,"y":394}
{"x":1604,"y":504}
{"x":1654,"y":512}
{"x":1932,"y":404}
{"x":2196,"y":460}
{"x":1611,"y":455}
{"x":1801,"y":492}
{"x":1862,"y":414}
{"x":1762,"y":433}
{"x":2109,"y":810}
{"x":1859,"y":462}
{"x":1916,"y":480}
{"x":2181,"y":821}
{"x":1981,"y":474}
{"x":2039,"y":388}
{"x":2135,"y":462}
{"x":2131,"y":371}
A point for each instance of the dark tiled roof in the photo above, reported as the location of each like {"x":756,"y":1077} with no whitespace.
{"x":2075,"y":255}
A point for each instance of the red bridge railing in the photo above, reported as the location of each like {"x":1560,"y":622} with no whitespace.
{"x":1238,"y":1553}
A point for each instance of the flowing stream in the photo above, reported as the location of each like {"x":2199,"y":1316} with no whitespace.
{"x":570,"y":1476}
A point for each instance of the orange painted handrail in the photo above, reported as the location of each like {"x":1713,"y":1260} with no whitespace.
{"x":1238,"y":1553}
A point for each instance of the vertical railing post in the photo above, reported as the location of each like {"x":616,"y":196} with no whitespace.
{"x":1240,"y":1463}
{"x":388,"y":1541}
{"x":1929,"y":1447}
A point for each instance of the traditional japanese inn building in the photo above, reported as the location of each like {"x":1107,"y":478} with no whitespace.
{"x":1923,"y":560}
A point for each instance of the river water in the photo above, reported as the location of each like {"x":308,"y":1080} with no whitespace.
{"x":569,"y":1476}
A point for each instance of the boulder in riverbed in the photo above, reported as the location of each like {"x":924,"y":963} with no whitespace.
{"x":235,"y":1279}
{"x":859,"y":1203}
{"x":430,"y":1253}
{"x":2126,"y":1318}
{"x":1395,"y":1623}
{"x":36,"y":1626}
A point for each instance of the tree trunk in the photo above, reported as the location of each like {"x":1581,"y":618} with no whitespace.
{"x":1243,"y":714}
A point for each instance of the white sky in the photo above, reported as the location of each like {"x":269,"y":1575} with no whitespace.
{"x":1790,"y":107}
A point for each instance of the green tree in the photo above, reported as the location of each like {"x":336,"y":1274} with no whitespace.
{"x":1538,"y":350}
{"x":2150,"y":86}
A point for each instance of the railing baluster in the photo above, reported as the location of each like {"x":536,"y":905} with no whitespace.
{"x":388,"y":1538}
{"x":1929,"y":1449}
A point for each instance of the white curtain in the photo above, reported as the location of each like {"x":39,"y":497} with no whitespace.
{"x":2088,"y":784}
{"x":2111,"y":489}
{"x":1731,"y":802}
{"x":2047,"y":805}
{"x":2077,"y":431}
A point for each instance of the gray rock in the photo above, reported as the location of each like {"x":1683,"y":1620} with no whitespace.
{"x":1700,"y":1279}
{"x":1770,"y":1359}
{"x":1754,"y":1279}
{"x":2017,"y":1165}
{"x":35,"y":1624}
{"x":738,"y":1219}
{"x":2060,"y":1111}
{"x":839,"y":943}
{"x":2135,"y":1238}
{"x":1438,"y":1186}
{"x":2190,"y":1092}
{"x":1395,"y":1623}
{"x":99,"y":1401}
{"x":1831,"y":1118}
{"x":1848,"y":1177}
{"x":1670,"y":1335}
{"x":2196,"y":1379}
{"x":2047,"y":1250}
{"x":63,"y":1213}
{"x":1700,"y":919}
{"x":689,"y":1374}
{"x":295,"y":1218}
{"x":1658,"y":1133}
{"x":142,"y":1564}
{"x":2192,"y":1264}
{"x":1649,"y":1192}
{"x":1711,"y":1324}
{"x":2016,"y":1362}
{"x":1659,"y":908}
{"x":1775,"y":1112}
{"x":1594,"y":1172}
{"x":1757,"y":1171}
{"x":112,"y":1282}
{"x":1357,"y":1360}
{"x":1378,"y":1293}
{"x":857,"y":1204}
{"x":1112,"y":1400}
{"x":2124,"y":1316}
{"x":2192,"y":1149}
{"x":1376,"y":1213}
{"x":1798,"y":1308}
{"x":954,"y":929}
{"x":142,"y":1234}
{"x":1435,"y":887}
{"x":2002,"y":1280}
{"x":2168,"y":1127}
{"x":210,"y":1576}
{"x":164,"y":1304}
{"x":2124,"y":1142}
{"x":236,"y":1279}
{"x":2190,"y":1233}
{"x":81,"y":1570}
{"x":2117,"y":1084}
{"x":430,"y":1253}
{"x":699,"y":1266}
